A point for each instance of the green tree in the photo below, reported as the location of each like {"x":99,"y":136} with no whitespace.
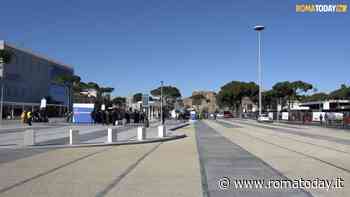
{"x":137,"y":97}
{"x":170,"y":96}
{"x":119,"y":101}
{"x":93,"y":85}
{"x":68,"y":80}
{"x":269,"y":99}
{"x":300,"y":87}
{"x":231,"y":94}
{"x":315,"y":97}
{"x":289,"y":91}
{"x":168,"y":91}
{"x":342,"y":93}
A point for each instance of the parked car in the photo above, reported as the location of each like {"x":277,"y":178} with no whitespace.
{"x":220,"y":115}
{"x":228,"y":114}
{"x":264,"y":118}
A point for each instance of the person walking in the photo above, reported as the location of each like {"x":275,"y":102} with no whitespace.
{"x":321,"y":119}
{"x":142,"y":117}
{"x":93,"y":116}
{"x":107,"y":117}
{"x":326,"y":119}
{"x":146,"y":122}
{"x":127,"y":117}
{"x":29,"y":118}
{"x":114,"y":117}
{"x":163,"y":118}
{"x":102,"y":117}
{"x":136,"y":117}
{"x":24,"y":117}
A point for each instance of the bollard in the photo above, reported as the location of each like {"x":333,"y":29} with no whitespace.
{"x":29,"y":137}
{"x":141,"y":133}
{"x":111,"y":135}
{"x":73,"y":137}
{"x":161,"y":131}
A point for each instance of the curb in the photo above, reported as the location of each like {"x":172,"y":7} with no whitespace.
{"x":179,"y":126}
{"x":126,"y":142}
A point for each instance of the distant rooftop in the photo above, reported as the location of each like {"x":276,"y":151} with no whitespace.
{"x":2,"y":42}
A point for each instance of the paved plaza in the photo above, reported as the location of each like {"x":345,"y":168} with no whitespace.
{"x":214,"y":158}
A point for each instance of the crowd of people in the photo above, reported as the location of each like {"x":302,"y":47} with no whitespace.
{"x":117,"y":116}
{"x":27,"y":116}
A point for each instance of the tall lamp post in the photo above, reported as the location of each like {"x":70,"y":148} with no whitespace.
{"x":259,"y":28}
{"x":161,"y":102}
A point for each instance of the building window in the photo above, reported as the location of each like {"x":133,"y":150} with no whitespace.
{"x":23,"y":92}
{"x":14,"y":92}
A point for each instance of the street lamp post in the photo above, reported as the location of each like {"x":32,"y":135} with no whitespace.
{"x":259,"y":28}
{"x":161,"y":102}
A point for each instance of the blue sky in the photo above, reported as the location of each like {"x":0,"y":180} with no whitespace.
{"x":192,"y":44}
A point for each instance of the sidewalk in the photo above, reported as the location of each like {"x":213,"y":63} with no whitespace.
{"x":156,"y":169}
{"x":89,"y":134}
{"x":18,"y":125}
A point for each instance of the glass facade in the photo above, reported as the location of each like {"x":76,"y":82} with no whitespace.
{"x":30,"y":77}
{"x":58,"y":94}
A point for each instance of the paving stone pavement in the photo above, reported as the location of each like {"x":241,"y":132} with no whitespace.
{"x":220,"y":158}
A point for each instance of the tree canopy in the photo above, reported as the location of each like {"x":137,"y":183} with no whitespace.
{"x":67,"y":79}
{"x":291,"y":90}
{"x":74,"y":83}
{"x":231,"y":94}
{"x":321,"y":96}
{"x":137,"y":97}
{"x":119,"y":101}
{"x":106,"y":90}
{"x":5,"y":56}
{"x":168,"y":91}
{"x":342,"y":93}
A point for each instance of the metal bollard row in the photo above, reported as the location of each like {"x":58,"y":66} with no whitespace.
{"x":112,"y":136}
